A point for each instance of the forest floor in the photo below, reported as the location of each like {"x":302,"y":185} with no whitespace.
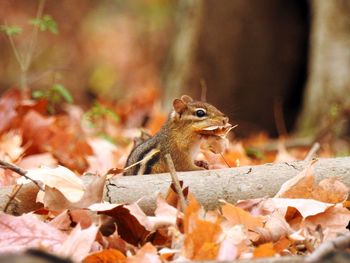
{"x":70,"y":156}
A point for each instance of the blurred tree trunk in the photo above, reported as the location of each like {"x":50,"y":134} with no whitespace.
{"x":328,"y":86}
{"x":181,"y":61}
{"x":250,"y":54}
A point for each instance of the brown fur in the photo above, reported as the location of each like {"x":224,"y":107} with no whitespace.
{"x":180,"y":136}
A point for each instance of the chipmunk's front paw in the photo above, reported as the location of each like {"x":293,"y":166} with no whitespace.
{"x":202,"y":164}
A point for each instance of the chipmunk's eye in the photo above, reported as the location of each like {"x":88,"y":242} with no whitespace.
{"x":200,"y":113}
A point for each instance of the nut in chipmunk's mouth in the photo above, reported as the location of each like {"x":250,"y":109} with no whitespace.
{"x":217,"y":130}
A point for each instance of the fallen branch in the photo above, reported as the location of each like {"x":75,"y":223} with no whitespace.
{"x":20,"y":171}
{"x":339,"y":243}
{"x":209,"y":186}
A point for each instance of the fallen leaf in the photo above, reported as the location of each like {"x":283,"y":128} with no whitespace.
{"x":10,"y":146}
{"x":306,"y":207}
{"x":237,"y":216}
{"x":54,"y":199}
{"x":61,"y":178}
{"x":147,"y":254}
{"x":303,"y":185}
{"x":106,"y":256}
{"x":8,"y":103}
{"x":264,"y":250}
{"x":201,"y":242}
{"x":79,"y":243}
{"x":26,"y":231}
{"x":333,"y":221}
{"x":105,"y":155}
{"x":165,"y":214}
{"x":129,"y":226}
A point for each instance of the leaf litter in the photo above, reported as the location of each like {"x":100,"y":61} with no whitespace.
{"x":75,"y":221}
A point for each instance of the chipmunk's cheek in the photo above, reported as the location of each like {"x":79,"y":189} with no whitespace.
{"x":215,"y":144}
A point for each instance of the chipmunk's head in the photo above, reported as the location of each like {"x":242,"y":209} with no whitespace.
{"x":204,"y":118}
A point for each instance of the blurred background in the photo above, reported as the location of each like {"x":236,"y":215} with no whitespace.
{"x":274,"y":66}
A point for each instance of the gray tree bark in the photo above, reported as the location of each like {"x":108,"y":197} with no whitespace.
{"x":208,"y":186}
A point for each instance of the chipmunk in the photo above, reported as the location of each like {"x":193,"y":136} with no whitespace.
{"x":188,"y":124}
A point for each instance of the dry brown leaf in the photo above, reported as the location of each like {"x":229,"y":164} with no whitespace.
{"x":303,"y":185}
{"x":79,"y":243}
{"x":10,"y":146}
{"x":306,"y":207}
{"x":333,"y":221}
{"x":37,"y":160}
{"x":147,"y":254}
{"x":54,"y":200}
{"x":165,"y":214}
{"x":235,"y":240}
{"x":8,"y":103}
{"x":27,"y":231}
{"x":61,"y":178}
{"x":105,"y":155}
{"x":264,"y":250}
{"x":237,"y":216}
{"x":129,"y":226}
{"x":106,"y":256}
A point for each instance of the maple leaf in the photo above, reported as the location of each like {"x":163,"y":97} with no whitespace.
{"x":26,"y":231}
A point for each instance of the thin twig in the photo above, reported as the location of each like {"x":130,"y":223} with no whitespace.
{"x":18,"y":170}
{"x":17,"y":188}
{"x":34,"y":36}
{"x":222,"y":156}
{"x":340,"y":242}
{"x":18,"y":56}
{"x":176,"y":182}
{"x":315,"y":147}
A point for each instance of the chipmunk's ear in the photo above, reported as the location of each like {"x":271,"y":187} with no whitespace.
{"x":179,"y":106}
{"x":186,"y":98}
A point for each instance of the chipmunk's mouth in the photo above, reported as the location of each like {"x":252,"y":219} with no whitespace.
{"x":217,"y":130}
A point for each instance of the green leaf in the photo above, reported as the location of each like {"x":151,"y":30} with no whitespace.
{"x":10,"y":30}
{"x":63,"y":92}
{"x":254,"y":153}
{"x":45,"y":23}
{"x":38,"y":94}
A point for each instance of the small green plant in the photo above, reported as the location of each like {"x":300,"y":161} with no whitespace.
{"x":24,"y":58}
{"x":55,"y":96}
{"x":95,"y":118}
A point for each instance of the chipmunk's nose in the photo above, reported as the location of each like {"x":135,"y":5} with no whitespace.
{"x":225,"y":120}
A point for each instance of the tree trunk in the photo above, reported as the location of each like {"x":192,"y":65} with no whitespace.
{"x":328,"y":85}
{"x":250,"y":54}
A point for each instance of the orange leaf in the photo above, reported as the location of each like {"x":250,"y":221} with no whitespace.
{"x":106,"y":256}
{"x":191,"y":210}
{"x":201,"y":243}
{"x":264,"y":250}
{"x":237,"y":216}
{"x":282,"y":244}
